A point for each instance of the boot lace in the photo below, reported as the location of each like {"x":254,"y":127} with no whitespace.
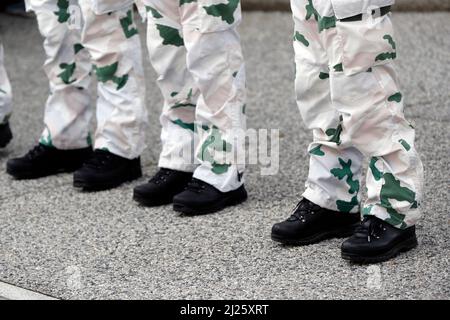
{"x":303,"y":209}
{"x":36,"y":152}
{"x":99,"y":159}
{"x":371,"y":227}
{"x":160,"y":176}
{"x":196,"y":185}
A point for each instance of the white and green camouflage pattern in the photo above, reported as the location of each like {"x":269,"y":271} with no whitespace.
{"x":108,"y":47}
{"x":5,"y":91}
{"x":348,"y":95}
{"x":195,"y":49}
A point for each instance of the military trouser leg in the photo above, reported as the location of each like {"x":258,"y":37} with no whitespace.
{"x":112,"y":40}
{"x":68,"y":110}
{"x":196,"y":51}
{"x":5,"y":91}
{"x":346,"y":69}
{"x":180,"y":93}
{"x":106,"y":44}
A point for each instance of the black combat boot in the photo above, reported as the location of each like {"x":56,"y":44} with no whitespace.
{"x":42,"y":161}
{"x":376,"y":240}
{"x":310,"y":224}
{"x":5,"y":134}
{"x":202,"y":198}
{"x":105,"y":170}
{"x":161,"y":189}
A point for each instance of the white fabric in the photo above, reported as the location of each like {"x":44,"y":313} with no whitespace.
{"x":5,"y":91}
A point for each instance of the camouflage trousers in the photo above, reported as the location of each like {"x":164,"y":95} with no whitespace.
{"x":5,"y":91}
{"x":195,"y":49}
{"x":86,"y":38}
{"x":348,"y":95}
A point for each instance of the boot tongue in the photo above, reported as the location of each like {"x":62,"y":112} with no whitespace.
{"x":363,"y":229}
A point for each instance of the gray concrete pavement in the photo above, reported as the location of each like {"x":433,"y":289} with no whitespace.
{"x":71,"y":245}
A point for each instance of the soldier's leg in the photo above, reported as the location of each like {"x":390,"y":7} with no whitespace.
{"x":365,"y":91}
{"x":178,"y":135}
{"x":367,"y":94}
{"x":168,"y":56}
{"x":68,"y":111}
{"x":5,"y":104}
{"x":65,"y":143}
{"x":335,"y":168}
{"x":216,"y":63}
{"x":332,"y":192}
{"x":112,"y":40}
{"x":5,"y":92}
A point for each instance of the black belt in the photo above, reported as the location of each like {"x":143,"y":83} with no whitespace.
{"x":383,"y":11}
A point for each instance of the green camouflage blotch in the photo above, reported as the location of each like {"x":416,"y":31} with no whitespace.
{"x":346,"y":206}
{"x":346,"y":171}
{"x":301,"y":38}
{"x":323,"y":22}
{"x":327,"y":23}
{"x":388,"y":55}
{"x":108,"y":73}
{"x":377,"y":174}
{"x":220,"y":168}
{"x":338,"y":68}
{"x":335,"y":134}
{"x":317,"y":151}
{"x":67,"y":73}
{"x":405,"y":144}
{"x":324,"y":76}
{"x":171,"y":36}
{"x":366,"y":210}
{"x":184,"y":125}
{"x":47,"y":141}
{"x":223,"y":11}
{"x":395,"y":97}
{"x":391,"y":189}
{"x":77,"y":47}
{"x":154,"y":12}
{"x":127,"y":25}
{"x":215,"y":143}
{"x":63,"y":11}
{"x":390,"y":40}
{"x":311,"y":11}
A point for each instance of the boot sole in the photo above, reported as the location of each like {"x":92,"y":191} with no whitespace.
{"x":146,"y":202}
{"x":90,"y":186}
{"x":230,"y":201}
{"x":338,"y":233}
{"x":29,"y":175}
{"x":404,"y":246}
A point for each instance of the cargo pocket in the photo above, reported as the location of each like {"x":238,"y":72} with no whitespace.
{"x":366,"y":43}
{"x":218,"y":15}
